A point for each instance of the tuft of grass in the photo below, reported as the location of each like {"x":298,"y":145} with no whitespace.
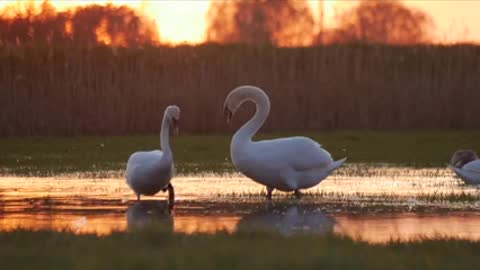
{"x":159,"y":249}
{"x":382,"y":200}
{"x":100,"y":156}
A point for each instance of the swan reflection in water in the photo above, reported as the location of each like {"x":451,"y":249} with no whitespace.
{"x":288,"y":220}
{"x":144,"y":214}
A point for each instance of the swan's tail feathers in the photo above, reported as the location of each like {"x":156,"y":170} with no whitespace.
{"x":335,"y":165}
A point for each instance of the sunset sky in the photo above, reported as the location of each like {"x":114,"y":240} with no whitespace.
{"x":184,"y":20}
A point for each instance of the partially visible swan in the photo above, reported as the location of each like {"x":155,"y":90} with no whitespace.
{"x":148,"y":172}
{"x":466,"y":164}
{"x":286,"y":164}
{"x":288,"y":220}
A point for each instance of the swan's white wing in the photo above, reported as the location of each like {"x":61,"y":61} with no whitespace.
{"x":309,"y":154}
{"x":473,"y":166}
{"x":145,"y":159}
{"x":144,"y":162}
{"x":470,"y":172}
{"x":148,"y":172}
{"x":145,"y":156}
{"x":300,"y":153}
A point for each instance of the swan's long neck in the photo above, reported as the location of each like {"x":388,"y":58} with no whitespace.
{"x":249,"y":129}
{"x":165,"y":137}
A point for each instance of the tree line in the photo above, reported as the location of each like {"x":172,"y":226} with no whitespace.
{"x":275,"y":22}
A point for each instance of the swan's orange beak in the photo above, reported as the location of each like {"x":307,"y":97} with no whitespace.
{"x":174,"y":125}
{"x":228,"y":114}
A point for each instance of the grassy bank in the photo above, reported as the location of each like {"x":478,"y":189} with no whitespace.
{"x":195,"y":154}
{"x":102,"y":90}
{"x":248,"y":250}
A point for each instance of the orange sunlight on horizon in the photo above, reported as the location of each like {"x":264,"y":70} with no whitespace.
{"x":185,"y":21}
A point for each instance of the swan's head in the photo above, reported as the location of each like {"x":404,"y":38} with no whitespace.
{"x":462,"y":157}
{"x":173,"y":115}
{"x":239,"y":95}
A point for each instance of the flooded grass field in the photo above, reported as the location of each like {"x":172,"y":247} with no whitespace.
{"x":375,"y":204}
{"x":64,"y":204}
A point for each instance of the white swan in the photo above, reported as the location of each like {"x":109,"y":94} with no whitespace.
{"x":149,"y":172}
{"x":466,"y":164}
{"x":286,"y":164}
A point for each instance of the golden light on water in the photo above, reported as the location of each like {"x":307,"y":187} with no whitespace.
{"x":213,"y":203}
{"x":372,"y":229}
{"x":105,"y":224}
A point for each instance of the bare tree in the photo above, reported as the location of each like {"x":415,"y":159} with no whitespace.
{"x":386,"y":21}
{"x":279,"y":22}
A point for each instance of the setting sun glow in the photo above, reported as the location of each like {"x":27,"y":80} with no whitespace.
{"x":185,"y":21}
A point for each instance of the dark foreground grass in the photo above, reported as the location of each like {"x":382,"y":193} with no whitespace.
{"x":210,"y":153}
{"x":247,"y":250}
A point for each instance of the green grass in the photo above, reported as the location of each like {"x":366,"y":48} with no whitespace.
{"x":210,"y":153}
{"x":153,"y":249}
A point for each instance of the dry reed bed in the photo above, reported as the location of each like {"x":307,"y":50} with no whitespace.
{"x":104,"y":90}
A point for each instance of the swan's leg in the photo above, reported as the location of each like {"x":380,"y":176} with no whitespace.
{"x":171,"y":196}
{"x":269,"y":192}
{"x":297,"y":193}
{"x":269,"y":205}
{"x":138,"y":197}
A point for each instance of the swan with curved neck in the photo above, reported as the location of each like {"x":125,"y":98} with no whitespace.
{"x":286,"y":164}
{"x":466,"y":164}
{"x":148,"y":172}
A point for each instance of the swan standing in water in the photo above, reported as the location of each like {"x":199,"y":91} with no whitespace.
{"x":466,"y":165}
{"x":286,"y":164}
{"x":148,"y":172}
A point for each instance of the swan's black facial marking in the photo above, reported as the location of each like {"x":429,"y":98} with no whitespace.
{"x":173,"y":115}
{"x":228,"y":114}
{"x":174,"y":125}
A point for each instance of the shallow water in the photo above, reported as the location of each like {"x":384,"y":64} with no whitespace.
{"x":373,"y":205}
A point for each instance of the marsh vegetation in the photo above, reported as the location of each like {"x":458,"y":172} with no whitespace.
{"x":51,"y":90}
{"x":194,"y":154}
{"x":155,"y":249}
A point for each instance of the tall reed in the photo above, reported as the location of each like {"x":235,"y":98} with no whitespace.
{"x":103,"y":90}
